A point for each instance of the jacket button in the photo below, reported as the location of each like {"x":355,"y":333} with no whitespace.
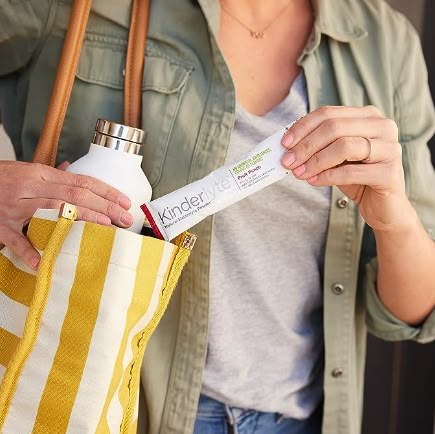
{"x":337,"y":372}
{"x":342,"y":202}
{"x":337,"y":288}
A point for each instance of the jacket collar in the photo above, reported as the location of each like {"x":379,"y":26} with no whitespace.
{"x":337,"y":19}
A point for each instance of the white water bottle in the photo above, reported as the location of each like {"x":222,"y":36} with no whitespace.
{"x":114,"y":158}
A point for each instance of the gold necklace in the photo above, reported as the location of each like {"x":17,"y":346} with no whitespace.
{"x":256,"y":34}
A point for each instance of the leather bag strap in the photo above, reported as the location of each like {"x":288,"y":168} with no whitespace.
{"x":135,"y":62}
{"x":46,"y":148}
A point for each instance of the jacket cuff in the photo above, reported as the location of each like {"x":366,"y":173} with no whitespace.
{"x":383,"y":324}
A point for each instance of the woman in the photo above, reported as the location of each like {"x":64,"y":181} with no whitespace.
{"x":266,"y":331}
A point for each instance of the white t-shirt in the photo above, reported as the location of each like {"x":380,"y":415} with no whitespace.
{"x":265,"y":348}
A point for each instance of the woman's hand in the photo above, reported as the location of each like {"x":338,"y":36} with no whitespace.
{"x":330,"y":146}
{"x":25,"y":187}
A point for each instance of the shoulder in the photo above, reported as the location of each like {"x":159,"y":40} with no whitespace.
{"x":390,"y":39}
{"x":381,"y":20}
{"x":370,"y":25}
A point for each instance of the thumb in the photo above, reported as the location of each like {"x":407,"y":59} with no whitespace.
{"x":20,"y":246}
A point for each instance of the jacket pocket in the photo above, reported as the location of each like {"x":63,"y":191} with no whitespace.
{"x":101,"y":68}
{"x":163,"y":87}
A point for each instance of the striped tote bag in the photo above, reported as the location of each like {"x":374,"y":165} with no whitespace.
{"x":73,"y":333}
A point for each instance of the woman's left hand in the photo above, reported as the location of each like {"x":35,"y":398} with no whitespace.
{"x":356,"y":149}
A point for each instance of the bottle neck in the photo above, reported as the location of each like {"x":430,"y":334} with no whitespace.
{"x":116,"y":143}
{"x":115,"y":154}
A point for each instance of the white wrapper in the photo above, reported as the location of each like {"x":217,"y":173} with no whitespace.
{"x":174,"y":213}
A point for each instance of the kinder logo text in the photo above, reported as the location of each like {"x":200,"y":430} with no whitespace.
{"x":190,"y":204}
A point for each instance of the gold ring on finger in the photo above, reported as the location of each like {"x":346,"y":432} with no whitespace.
{"x":369,"y":157}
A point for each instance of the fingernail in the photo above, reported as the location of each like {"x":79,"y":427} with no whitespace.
{"x":287,"y":139}
{"x":288,"y":159}
{"x":104,"y":220}
{"x":127,"y":218}
{"x":312,"y":179}
{"x":125,"y":202}
{"x":299,"y":170}
{"x":35,"y":261}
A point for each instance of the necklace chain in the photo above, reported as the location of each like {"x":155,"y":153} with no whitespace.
{"x":256,"y":34}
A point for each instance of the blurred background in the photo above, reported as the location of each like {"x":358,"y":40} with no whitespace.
{"x":6,"y":151}
{"x":400,"y":377}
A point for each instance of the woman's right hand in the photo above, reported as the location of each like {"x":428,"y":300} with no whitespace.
{"x":25,"y":187}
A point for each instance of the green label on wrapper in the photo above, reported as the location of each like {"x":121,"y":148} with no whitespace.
{"x":252,"y":161}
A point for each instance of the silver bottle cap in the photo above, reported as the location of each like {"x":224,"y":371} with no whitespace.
{"x":119,"y":137}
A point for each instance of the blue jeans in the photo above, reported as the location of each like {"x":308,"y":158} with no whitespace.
{"x":214,"y":417}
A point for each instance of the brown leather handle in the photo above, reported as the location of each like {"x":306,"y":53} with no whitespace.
{"x":46,"y":148}
{"x":135,"y":63}
{"x":47,"y":144}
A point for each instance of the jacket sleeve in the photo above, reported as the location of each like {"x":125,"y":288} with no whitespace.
{"x":414,"y":112}
{"x":383,"y":324}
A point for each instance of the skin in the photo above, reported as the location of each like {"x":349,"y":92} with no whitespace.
{"x":263,"y":78}
{"x":325,"y":148}
{"x":28,"y":186}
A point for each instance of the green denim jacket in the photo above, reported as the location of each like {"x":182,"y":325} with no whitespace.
{"x":361,"y":52}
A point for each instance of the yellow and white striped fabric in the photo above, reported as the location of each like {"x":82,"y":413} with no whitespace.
{"x":72,"y":335}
